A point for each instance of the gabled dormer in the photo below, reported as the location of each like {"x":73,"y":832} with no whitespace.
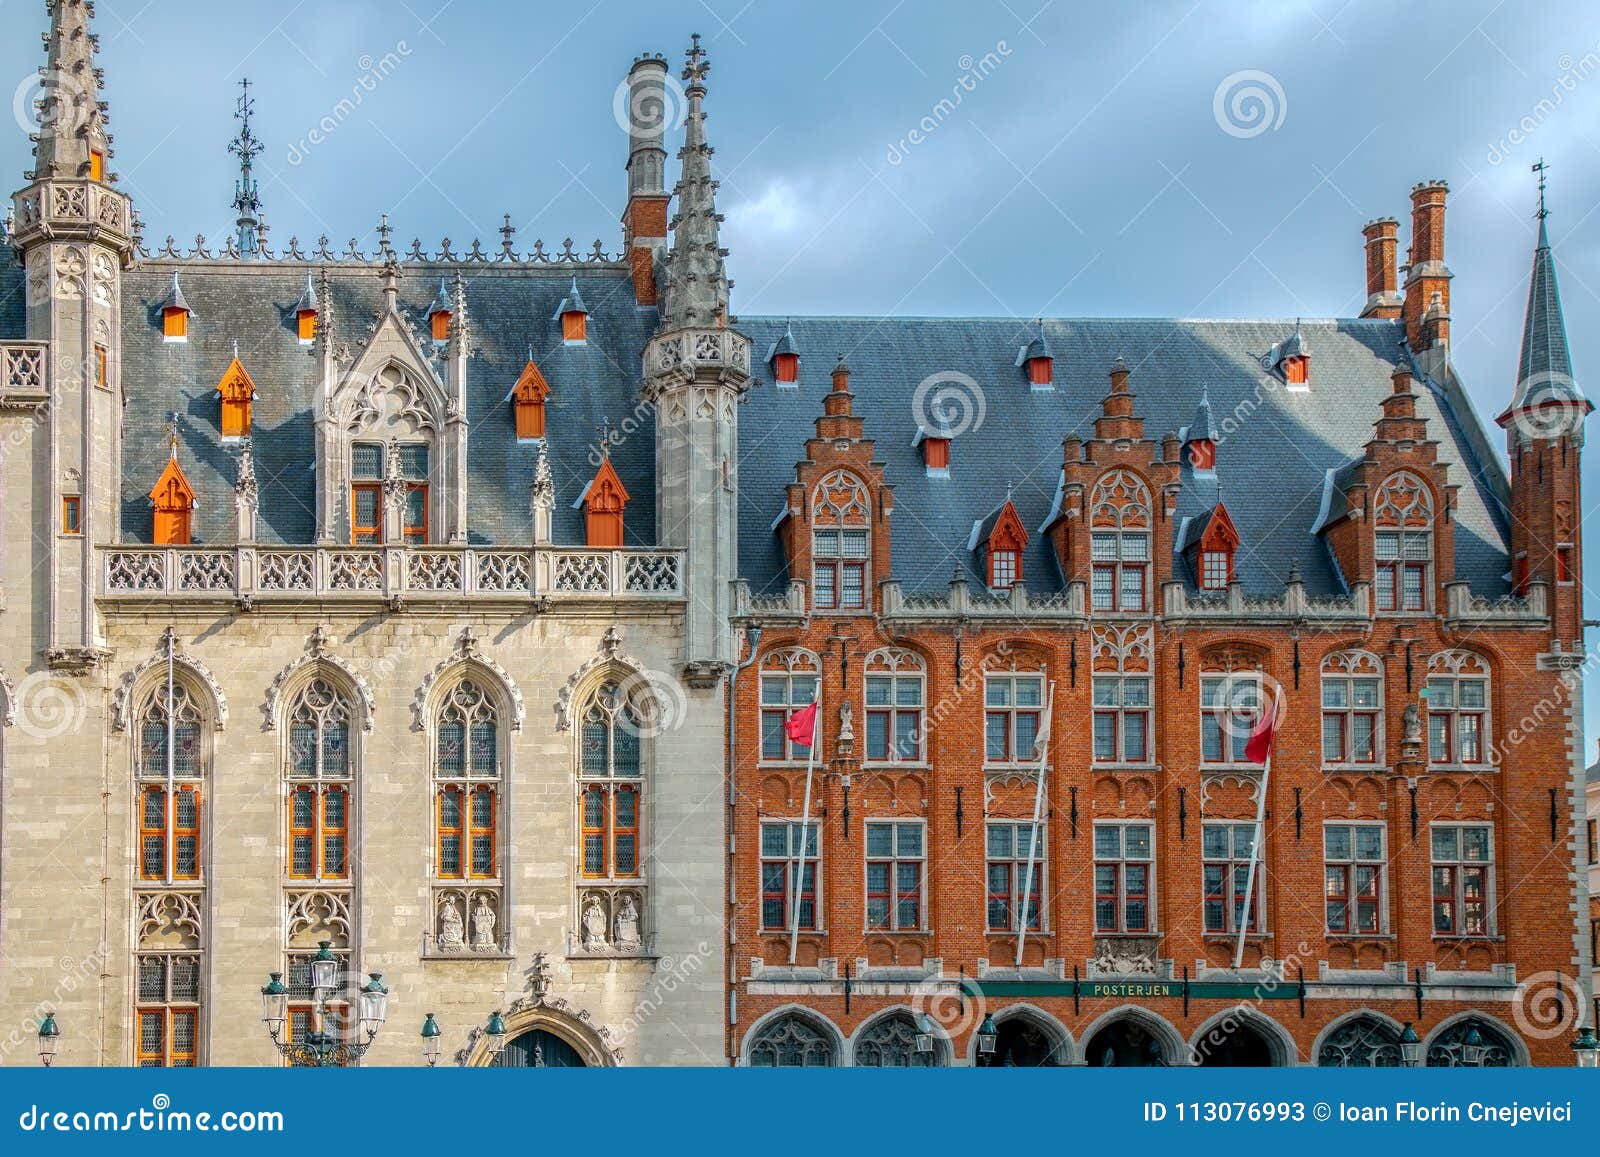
{"x":784,"y":359}
{"x":439,"y":314}
{"x":1290,"y":360}
{"x":235,"y":393}
{"x":527,"y":402}
{"x":175,"y":314}
{"x":172,"y":500}
{"x":999,"y":541}
{"x":1200,"y":439}
{"x":574,"y":317}
{"x":933,"y":439}
{"x":1209,"y":545}
{"x":603,"y":502}
{"x":1037,"y":362}
{"x":305,"y":314}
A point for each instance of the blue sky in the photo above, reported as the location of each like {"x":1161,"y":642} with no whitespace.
{"x":1086,"y":172}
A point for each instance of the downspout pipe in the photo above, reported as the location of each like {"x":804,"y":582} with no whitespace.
{"x":753,"y":635}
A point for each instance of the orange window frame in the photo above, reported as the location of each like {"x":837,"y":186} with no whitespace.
{"x":306,"y":324}
{"x":72,"y":514}
{"x":102,"y":376}
{"x":1296,"y":370}
{"x":574,"y":327}
{"x":440,"y":323}
{"x":530,"y":420}
{"x":360,"y":534}
{"x":165,"y":1054}
{"x":167,"y":833}
{"x":445,"y":831}
{"x":152,"y":833}
{"x":175,"y":323}
{"x":484,"y":830}
{"x":182,"y":832}
{"x":235,"y":418}
{"x":97,"y":165}
{"x":619,"y":829}
{"x":416,"y":533}
{"x":594,"y":832}
{"x":786,"y":368}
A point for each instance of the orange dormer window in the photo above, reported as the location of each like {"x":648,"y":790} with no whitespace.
{"x":97,"y":165}
{"x":1217,"y":547}
{"x":936,"y":453}
{"x":175,"y":323}
{"x":527,"y":403}
{"x":575,"y":326}
{"x":440,"y":321}
{"x":1296,"y":370}
{"x":1203,"y":454}
{"x":1006,"y":542}
{"x":603,"y":506}
{"x":786,"y":368}
{"x":306,"y":325}
{"x":236,"y":391}
{"x":173,"y":499}
{"x":1041,"y":371}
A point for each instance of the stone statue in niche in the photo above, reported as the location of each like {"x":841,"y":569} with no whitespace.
{"x":847,"y":731}
{"x":451,"y":929}
{"x":627,"y":927}
{"x":1411,"y":725}
{"x":483,"y":921}
{"x":594,"y":926}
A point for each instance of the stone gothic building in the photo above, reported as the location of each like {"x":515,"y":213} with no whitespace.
{"x":445,"y":613}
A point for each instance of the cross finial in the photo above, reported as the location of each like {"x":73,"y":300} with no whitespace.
{"x":1541,"y":167}
{"x":697,"y":67}
{"x":384,"y":230}
{"x":604,"y":429}
{"x":172,"y":435}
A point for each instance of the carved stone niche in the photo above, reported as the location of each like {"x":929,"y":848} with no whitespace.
{"x":611,"y":922}
{"x":170,"y":921}
{"x":467,"y":922}
{"x":1124,"y":956}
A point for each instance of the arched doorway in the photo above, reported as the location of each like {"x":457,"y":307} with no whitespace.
{"x":538,"y":1049}
{"x":1124,"y":1044}
{"x":1239,"y":1046}
{"x":1023,"y":1044}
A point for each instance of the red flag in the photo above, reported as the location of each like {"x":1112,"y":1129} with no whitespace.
{"x":1259,"y":745}
{"x":802,"y":726}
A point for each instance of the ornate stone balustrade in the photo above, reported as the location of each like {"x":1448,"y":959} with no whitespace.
{"x":24,"y":373}
{"x":385,"y":574}
{"x":680,"y":356}
{"x":73,"y":208}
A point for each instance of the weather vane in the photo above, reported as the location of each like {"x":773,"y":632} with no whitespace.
{"x":1541,"y":168}
{"x":247,"y":199}
{"x":697,"y":67}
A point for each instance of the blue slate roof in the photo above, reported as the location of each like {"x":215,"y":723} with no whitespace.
{"x":13,"y":303}
{"x":509,"y":309}
{"x":1544,"y":333}
{"x":1275,"y":449}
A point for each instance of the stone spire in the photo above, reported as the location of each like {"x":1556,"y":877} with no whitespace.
{"x":697,"y":283}
{"x":1548,"y":400}
{"x":246,"y":197}
{"x":71,"y":116}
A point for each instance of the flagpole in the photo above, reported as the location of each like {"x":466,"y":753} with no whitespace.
{"x":1033,"y":835}
{"x":805,"y":831}
{"x":1255,"y":844}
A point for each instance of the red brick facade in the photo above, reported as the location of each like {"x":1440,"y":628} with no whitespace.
{"x":1432,"y":786}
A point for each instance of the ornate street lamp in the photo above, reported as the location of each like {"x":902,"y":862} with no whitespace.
{"x":988,"y":1037}
{"x":319,"y":1047}
{"x":49,"y":1039}
{"x":496,"y":1032}
{"x":1586,"y":1048}
{"x":1410,"y":1047}
{"x":1472,"y":1047}
{"x":430,"y":1040}
{"x":924,"y":1034}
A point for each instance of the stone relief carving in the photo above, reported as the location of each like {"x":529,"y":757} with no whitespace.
{"x":610,"y":653}
{"x":170,"y":920}
{"x":594,"y":925}
{"x":1121,"y":957}
{"x":317,"y":654}
{"x":450,"y":936}
{"x":467,"y":654}
{"x":121,"y":704}
{"x":483,"y":922}
{"x":317,"y":915}
{"x":626,"y":929}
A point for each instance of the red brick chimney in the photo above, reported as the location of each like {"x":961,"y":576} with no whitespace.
{"x":1427,"y":278}
{"x":1383,"y":294}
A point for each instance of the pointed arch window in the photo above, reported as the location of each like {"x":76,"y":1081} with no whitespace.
{"x":1119,"y":541}
{"x":466,"y":772}
{"x":611,"y":781}
{"x":791,"y":1041}
{"x":318,"y":775}
{"x":1361,"y":1043}
{"x":1402,"y":518}
{"x":840,"y":543}
{"x":170,"y":771}
{"x":894,"y":1043}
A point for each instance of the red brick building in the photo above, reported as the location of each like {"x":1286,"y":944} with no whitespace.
{"x":978,"y":524}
